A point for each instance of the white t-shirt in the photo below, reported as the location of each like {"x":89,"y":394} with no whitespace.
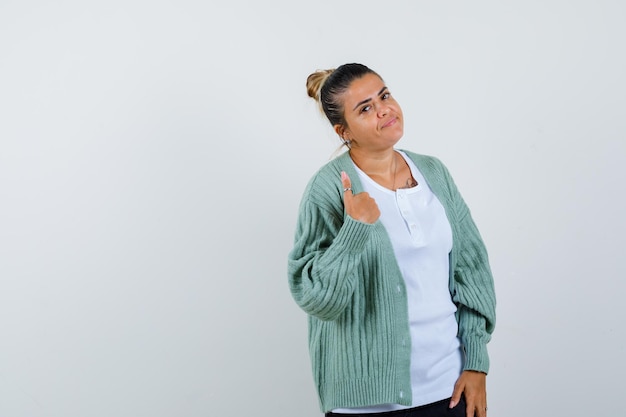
{"x":421,"y":237}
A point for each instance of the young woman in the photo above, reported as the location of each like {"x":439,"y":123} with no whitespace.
{"x":390,"y":267}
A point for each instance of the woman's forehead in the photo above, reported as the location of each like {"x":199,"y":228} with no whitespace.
{"x":366,"y":87}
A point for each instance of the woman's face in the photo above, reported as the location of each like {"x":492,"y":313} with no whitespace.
{"x":374,"y":119}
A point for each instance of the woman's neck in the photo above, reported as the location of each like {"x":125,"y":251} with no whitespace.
{"x":389,"y":169}
{"x":375,"y":163}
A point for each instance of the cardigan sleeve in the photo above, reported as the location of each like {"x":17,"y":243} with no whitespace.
{"x":473,"y":287}
{"x":323,"y":262}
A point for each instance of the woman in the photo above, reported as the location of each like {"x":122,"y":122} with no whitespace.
{"x":389,"y":266}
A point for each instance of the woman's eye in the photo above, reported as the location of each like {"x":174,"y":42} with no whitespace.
{"x":386,"y":96}
{"x":365,"y":109}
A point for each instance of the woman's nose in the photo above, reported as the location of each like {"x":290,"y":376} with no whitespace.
{"x":383,"y":110}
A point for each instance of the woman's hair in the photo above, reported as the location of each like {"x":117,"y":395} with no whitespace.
{"x":326,"y":87}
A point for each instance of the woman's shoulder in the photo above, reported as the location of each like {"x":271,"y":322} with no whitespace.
{"x":325,"y":184}
{"x":328,"y":175}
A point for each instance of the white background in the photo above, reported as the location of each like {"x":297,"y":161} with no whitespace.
{"x":153,"y":155}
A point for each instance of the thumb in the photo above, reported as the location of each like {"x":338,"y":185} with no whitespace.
{"x":456,"y":395}
{"x":347,"y":185}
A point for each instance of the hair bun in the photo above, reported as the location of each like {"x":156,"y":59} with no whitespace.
{"x":315,"y":81}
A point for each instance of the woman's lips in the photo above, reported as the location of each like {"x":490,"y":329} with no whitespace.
{"x":392,"y":121}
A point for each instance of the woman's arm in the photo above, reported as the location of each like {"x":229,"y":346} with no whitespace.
{"x":323,"y":263}
{"x":474,"y":295}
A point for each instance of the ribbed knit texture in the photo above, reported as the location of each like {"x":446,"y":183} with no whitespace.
{"x":343,"y":274}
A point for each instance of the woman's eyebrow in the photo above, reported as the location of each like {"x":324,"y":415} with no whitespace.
{"x":369,"y":99}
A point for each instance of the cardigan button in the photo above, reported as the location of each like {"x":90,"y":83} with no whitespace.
{"x":401,"y":394}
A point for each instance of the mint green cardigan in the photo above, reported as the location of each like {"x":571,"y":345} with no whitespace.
{"x":344,"y":275}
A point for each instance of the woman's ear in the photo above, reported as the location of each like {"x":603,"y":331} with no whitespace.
{"x":341,"y":131}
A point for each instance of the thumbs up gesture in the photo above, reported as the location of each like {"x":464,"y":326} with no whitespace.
{"x":361,"y":206}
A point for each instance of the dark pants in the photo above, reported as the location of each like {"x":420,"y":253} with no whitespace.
{"x":438,"y":409}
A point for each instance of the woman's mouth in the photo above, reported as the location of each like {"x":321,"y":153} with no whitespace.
{"x":390,"y":122}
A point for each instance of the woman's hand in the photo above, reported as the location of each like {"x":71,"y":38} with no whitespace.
{"x":473,"y":385}
{"x":361,"y":206}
